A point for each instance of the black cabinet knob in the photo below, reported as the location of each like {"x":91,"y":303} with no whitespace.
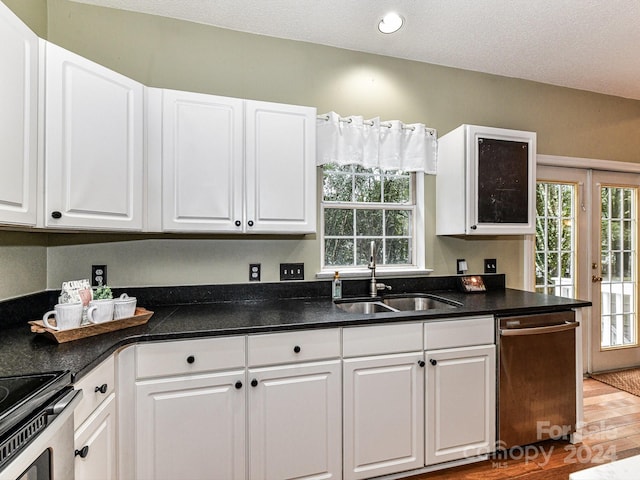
{"x":191,"y":359}
{"x":102,"y":388}
{"x":238,"y":385}
{"x":254,"y":383}
{"x":421,"y":363}
{"x":433,"y":361}
{"x":238,"y":223}
{"x":56,"y":214}
{"x":250,"y":223}
{"x":83,"y":452}
{"x":473,"y":227}
{"x":297,"y":349}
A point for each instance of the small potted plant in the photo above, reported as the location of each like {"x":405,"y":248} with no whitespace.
{"x":102,"y":292}
{"x":103,"y":301}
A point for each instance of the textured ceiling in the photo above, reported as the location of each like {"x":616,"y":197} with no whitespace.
{"x":586,"y":44}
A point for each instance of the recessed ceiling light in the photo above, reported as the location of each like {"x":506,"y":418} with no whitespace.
{"x":390,"y":23}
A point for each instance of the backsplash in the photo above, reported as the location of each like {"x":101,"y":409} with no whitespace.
{"x":32,"y":307}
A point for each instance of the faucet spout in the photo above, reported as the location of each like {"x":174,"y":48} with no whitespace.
{"x":374,"y":286}
{"x":373,"y":290}
{"x":372,"y":257}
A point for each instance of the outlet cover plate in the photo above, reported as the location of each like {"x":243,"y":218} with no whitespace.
{"x":291,"y":271}
{"x":254,"y":272}
{"x":490,"y":265}
{"x":98,"y":275}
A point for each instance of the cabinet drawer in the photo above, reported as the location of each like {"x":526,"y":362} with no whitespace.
{"x":290,"y":347}
{"x":96,"y":387}
{"x":189,"y":356}
{"x":459,"y":333}
{"x":382,"y":339}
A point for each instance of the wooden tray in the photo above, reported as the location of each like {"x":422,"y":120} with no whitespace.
{"x":140,"y":317}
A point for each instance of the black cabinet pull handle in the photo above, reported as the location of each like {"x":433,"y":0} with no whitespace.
{"x":250,"y":223}
{"x":238,"y":385}
{"x":56,"y":214}
{"x":238,"y":223}
{"x":297,"y":349}
{"x":421,"y":363}
{"x":191,"y":359}
{"x":102,"y":388}
{"x":433,"y":362}
{"x":83,"y":452}
{"x":254,"y":383}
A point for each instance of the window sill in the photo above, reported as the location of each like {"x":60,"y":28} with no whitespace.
{"x":380,"y":273}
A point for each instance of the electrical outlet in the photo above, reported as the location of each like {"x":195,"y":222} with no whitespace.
{"x":292,"y":271}
{"x":98,"y":275}
{"x":490,"y":265}
{"x":254,"y":272}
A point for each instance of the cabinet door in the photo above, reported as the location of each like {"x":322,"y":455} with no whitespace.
{"x":18,"y":120}
{"x":95,"y":444}
{"x":460,"y":403}
{"x":295,"y":420}
{"x":501,"y":181}
{"x":94,"y":145}
{"x":383,"y":415}
{"x":202,"y":162}
{"x":191,"y":427}
{"x":280,"y":168}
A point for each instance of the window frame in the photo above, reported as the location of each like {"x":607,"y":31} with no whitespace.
{"x":418,"y":234}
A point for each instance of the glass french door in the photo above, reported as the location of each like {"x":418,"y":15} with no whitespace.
{"x":614,"y":274}
{"x":586,"y":247}
{"x":562,"y":236}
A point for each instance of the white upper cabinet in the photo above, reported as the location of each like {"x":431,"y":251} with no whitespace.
{"x":486,"y":182}
{"x":18,"y":120}
{"x":280,"y":168}
{"x":94,"y":145}
{"x":219,"y":164}
{"x":201,"y":159}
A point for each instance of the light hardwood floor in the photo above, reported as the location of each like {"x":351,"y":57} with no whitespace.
{"x":612,"y":423}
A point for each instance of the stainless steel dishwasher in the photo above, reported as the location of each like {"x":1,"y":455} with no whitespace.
{"x":537,"y":377}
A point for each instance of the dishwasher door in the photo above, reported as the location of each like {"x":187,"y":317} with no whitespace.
{"x":537,"y":378}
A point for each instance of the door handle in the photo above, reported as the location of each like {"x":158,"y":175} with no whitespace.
{"x":519,"y":332}
{"x":595,"y":279}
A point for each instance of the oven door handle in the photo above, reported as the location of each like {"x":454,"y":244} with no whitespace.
{"x":516,"y":332}
{"x":73,"y":397}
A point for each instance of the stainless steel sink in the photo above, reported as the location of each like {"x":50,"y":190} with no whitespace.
{"x":365,"y":307}
{"x":413,"y":302}
{"x":397,"y":303}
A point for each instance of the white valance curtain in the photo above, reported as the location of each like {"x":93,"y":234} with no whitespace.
{"x":390,"y":145}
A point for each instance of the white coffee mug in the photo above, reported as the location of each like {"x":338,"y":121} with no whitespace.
{"x":124,"y":307}
{"x":103,"y":311}
{"x":67,"y":315}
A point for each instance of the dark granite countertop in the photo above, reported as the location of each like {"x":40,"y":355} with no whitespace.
{"x":24,"y":352}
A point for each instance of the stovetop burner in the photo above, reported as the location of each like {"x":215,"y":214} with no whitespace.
{"x":21,"y":394}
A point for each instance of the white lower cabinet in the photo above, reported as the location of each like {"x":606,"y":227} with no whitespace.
{"x":295,"y":421}
{"x":460,"y":403}
{"x":353,"y":403}
{"x":95,"y":424}
{"x":383,"y":415}
{"x":460,"y":384}
{"x":95,"y":444}
{"x":191,"y":427}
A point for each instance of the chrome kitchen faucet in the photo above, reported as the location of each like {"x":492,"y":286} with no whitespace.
{"x":374,"y":286}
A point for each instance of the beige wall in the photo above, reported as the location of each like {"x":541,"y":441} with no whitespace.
{"x":174,"y":54}
{"x":23,"y":262}
{"x":32,"y":12}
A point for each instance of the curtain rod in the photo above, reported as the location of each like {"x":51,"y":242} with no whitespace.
{"x":326,"y":118}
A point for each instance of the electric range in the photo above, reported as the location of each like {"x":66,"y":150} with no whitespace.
{"x":25,"y":408}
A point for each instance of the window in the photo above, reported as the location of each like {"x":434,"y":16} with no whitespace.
{"x":361,"y":205}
